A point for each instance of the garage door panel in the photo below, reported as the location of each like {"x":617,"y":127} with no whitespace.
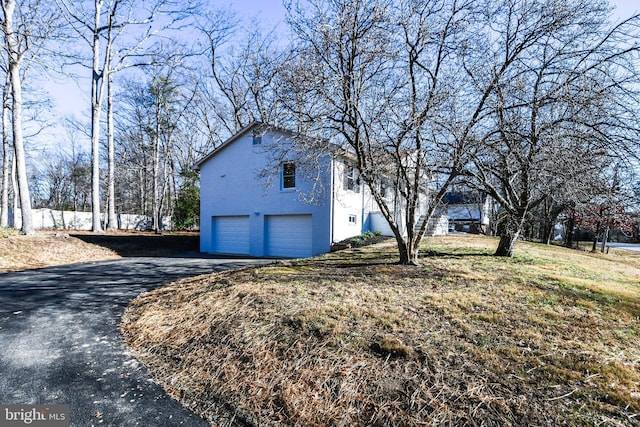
{"x":231,"y":234}
{"x":288,"y":235}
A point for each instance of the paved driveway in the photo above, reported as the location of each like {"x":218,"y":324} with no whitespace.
{"x":60,"y":341}
{"x":627,"y":246}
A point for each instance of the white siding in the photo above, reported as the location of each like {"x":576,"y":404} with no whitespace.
{"x":380,"y":224}
{"x":233,"y":183}
{"x":347,"y":203}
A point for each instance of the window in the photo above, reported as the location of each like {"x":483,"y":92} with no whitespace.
{"x":257,"y":138}
{"x":288,"y":175}
{"x":353,"y":220}
{"x":351,"y":182}
{"x":383,"y":188}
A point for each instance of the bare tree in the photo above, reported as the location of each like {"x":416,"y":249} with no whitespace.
{"x":15,"y":57}
{"x":551,"y":121}
{"x":27,"y":28}
{"x":154,"y":54}
{"x":426,"y":160}
{"x":241,"y":83}
{"x":131,"y":23}
{"x":379,"y":77}
{"x":430,"y":92}
{"x":152,"y":132}
{"x":6,"y":153}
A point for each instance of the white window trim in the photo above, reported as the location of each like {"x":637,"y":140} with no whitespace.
{"x":350,"y":177}
{"x":282,"y":177}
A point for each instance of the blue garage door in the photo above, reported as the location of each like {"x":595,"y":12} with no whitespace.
{"x":230,"y":234}
{"x":288,"y":236}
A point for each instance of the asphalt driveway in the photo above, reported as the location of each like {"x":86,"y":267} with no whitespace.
{"x":626,"y":246}
{"x":60,"y":341}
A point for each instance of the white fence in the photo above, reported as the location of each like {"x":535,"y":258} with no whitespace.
{"x":69,"y":220}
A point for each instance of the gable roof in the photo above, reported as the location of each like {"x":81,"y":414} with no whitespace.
{"x":464,"y":198}
{"x":242,"y":132}
{"x":263,"y":127}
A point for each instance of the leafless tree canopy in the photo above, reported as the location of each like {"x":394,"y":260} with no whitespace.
{"x":521,"y":100}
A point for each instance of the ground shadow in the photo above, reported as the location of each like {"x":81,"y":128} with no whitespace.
{"x":439,"y":254}
{"x":144,"y":244}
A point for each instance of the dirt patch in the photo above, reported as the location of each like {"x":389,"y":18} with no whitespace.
{"x":351,"y":338}
{"x":47,"y":249}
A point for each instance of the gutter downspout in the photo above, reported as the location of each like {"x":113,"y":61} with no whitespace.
{"x":362,"y":230}
{"x":333,"y":196}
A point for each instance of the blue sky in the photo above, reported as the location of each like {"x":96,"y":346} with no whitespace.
{"x":624,"y":8}
{"x":73,"y":100}
{"x":272,"y":10}
{"x":269,"y":10}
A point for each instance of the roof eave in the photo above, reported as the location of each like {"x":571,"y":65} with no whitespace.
{"x":198,"y":164}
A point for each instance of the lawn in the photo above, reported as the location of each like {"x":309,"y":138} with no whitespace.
{"x":46,"y":249}
{"x":549,"y":337}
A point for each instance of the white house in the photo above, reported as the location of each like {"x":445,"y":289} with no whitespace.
{"x":468,"y":211}
{"x":258,"y":198}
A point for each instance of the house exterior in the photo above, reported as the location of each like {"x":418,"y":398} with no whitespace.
{"x":468,"y":211}
{"x":259,"y":199}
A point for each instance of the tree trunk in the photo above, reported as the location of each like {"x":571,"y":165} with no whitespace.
{"x":547,"y":232}
{"x":96,"y":101}
{"x":403,"y":250}
{"x":595,"y":238}
{"x":155,"y":201}
{"x":408,"y":256}
{"x":18,"y":143}
{"x":569,"y":233}
{"x":112,"y":219}
{"x":6,"y":156}
{"x":507,"y":243}
{"x":412,"y":258}
{"x":509,"y":233}
{"x":605,"y":238}
{"x":14,"y":185}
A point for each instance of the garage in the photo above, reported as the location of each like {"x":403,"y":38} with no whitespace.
{"x":288,"y":236}
{"x":230,"y":234}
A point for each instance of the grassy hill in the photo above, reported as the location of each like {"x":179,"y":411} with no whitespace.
{"x":549,"y":337}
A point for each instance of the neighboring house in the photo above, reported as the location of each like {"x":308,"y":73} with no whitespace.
{"x":255,"y":198}
{"x":468,"y":211}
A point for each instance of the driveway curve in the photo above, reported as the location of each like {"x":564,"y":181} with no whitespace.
{"x":60,"y":341}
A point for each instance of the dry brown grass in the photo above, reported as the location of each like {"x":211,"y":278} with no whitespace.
{"x":45,"y":249}
{"x":549,"y":337}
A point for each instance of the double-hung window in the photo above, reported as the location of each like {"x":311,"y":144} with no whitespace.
{"x":350,"y":180}
{"x":288,"y":175}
